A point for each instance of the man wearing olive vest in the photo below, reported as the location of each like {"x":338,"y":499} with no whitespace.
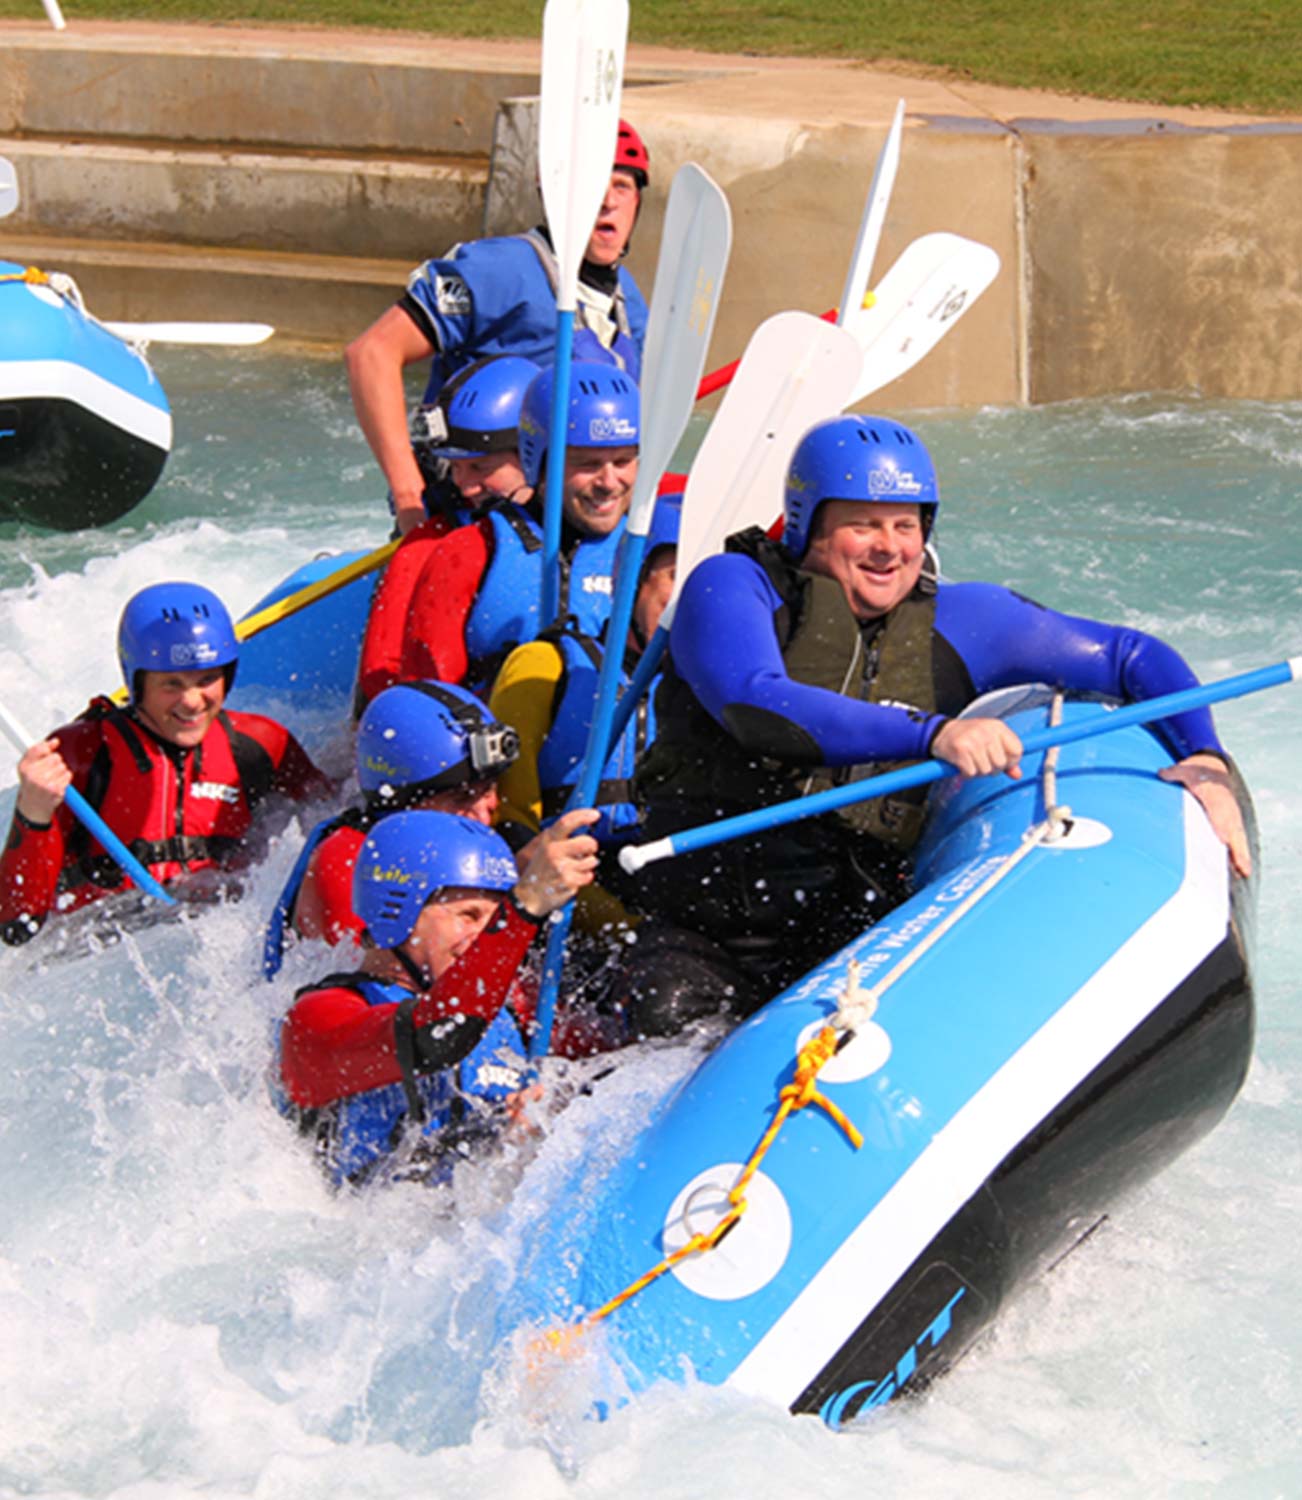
{"x":834,"y":654}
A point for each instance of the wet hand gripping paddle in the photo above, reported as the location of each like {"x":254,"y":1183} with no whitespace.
{"x":635,"y":856}
{"x":89,"y":818}
{"x":689,"y":278}
{"x":583,"y":44}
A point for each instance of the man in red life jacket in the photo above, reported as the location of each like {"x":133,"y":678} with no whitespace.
{"x":419,"y":745}
{"x":403,"y":1050}
{"x":469,"y":453}
{"x":479,"y":592}
{"x":174,"y":775}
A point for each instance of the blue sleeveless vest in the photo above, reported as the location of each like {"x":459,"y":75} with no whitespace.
{"x":506,"y":609}
{"x":558,"y":762}
{"x":504,"y":302}
{"x":365,"y":1128}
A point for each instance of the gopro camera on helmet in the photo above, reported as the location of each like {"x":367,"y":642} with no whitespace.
{"x":493,"y":747}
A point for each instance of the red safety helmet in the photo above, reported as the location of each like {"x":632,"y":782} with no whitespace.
{"x":631,"y":155}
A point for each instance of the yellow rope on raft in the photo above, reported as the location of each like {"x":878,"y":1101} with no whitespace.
{"x":802,"y":1091}
{"x":33,"y":275}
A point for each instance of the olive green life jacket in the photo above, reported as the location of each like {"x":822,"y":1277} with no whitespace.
{"x":696,"y":761}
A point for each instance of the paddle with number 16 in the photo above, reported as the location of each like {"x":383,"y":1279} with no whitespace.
{"x":689,"y":278}
{"x":578,"y":127}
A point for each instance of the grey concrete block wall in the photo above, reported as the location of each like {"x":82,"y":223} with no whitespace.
{"x":1163,"y":260}
{"x":244,"y":88}
{"x":209,"y":172}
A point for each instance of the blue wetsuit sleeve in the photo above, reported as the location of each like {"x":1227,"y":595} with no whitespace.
{"x":725,"y":647}
{"x":1004,"y":638}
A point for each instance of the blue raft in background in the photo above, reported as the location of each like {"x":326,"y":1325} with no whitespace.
{"x":85,"y":427}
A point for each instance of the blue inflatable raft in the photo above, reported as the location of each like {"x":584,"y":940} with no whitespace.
{"x":1062,"y":1007}
{"x":85,"y":428}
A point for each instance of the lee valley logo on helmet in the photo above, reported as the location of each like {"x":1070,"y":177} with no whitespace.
{"x":192,"y":654}
{"x":612,"y":429}
{"x":889,"y":480}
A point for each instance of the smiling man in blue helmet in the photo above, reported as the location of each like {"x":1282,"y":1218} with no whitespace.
{"x":799,"y":664}
{"x":467,"y":440}
{"x":479,"y":593}
{"x":392,"y":1062}
{"x":174,"y":775}
{"x":498,"y":296}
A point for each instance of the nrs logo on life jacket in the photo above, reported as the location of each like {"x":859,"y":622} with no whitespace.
{"x":215,"y":791}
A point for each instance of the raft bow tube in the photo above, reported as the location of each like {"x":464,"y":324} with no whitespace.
{"x":85,"y":428}
{"x":1086,"y":1017}
{"x":304,"y":666}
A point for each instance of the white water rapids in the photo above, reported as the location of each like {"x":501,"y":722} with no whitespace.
{"x":185,"y":1309}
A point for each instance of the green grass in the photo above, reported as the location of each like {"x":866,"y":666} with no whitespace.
{"x":1231,"y":54}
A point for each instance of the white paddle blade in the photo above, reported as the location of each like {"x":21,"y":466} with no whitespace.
{"x":578,"y":123}
{"x":797,"y":369}
{"x":192,"y":333}
{"x":694,"y":251}
{"x":920,"y":299}
{"x":54,"y":14}
{"x":874,"y":216}
{"x":8,"y":187}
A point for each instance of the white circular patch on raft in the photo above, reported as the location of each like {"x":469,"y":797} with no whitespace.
{"x":750,"y":1255}
{"x":865,"y":1052}
{"x":1084,"y":833}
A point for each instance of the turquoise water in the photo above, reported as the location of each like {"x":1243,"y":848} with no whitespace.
{"x":185,"y":1310}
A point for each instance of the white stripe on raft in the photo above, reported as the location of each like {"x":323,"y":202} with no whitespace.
{"x":62,"y":380}
{"x":1096,"y":1020}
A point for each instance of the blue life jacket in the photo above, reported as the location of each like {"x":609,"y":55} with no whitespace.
{"x":498,"y":296}
{"x":567,"y":739}
{"x":506,"y":610}
{"x":355,"y":1133}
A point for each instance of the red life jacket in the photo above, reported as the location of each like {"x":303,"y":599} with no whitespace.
{"x":176,"y":809}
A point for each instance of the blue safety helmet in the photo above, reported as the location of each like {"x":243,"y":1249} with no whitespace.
{"x":604,"y":413}
{"x":175,"y":627}
{"x":422,"y":737}
{"x":478,"y":410}
{"x":411,"y":856}
{"x":856,"y":458}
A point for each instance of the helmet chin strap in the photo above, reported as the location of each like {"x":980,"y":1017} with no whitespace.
{"x":419,"y":975}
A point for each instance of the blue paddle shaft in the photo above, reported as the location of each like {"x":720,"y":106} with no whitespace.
{"x":704,"y":837}
{"x":556,"y":445}
{"x":594,"y":758}
{"x":91,"y":820}
{"x":647,"y":665}
{"x":600,"y":739}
